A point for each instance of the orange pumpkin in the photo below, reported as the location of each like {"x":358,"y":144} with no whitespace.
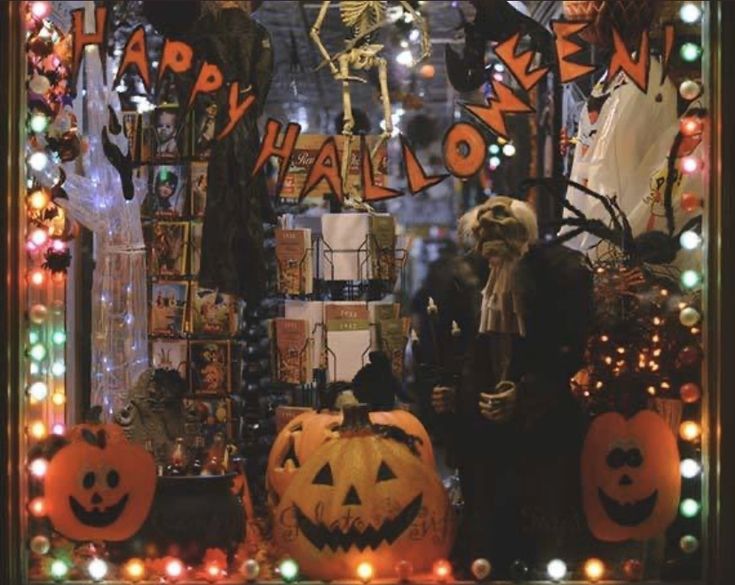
{"x":630,"y":476}
{"x":99,"y":490}
{"x":364,"y":496}
{"x":93,"y":422}
{"x":308,"y":431}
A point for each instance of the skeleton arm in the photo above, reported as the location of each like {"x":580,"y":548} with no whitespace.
{"x":314,"y":34}
{"x":421,"y":24}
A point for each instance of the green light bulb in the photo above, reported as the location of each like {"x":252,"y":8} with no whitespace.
{"x":33,"y":337}
{"x":689,"y":508}
{"x":289,"y":570}
{"x":38,"y":122}
{"x":58,"y":570}
{"x":690,"y":278}
{"x":690,"y":52}
{"x":37,"y":352}
{"x":59,"y":337}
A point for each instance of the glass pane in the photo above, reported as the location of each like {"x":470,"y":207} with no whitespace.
{"x":360,"y":290}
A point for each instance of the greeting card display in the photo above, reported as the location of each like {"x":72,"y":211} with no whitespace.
{"x":132,"y":129}
{"x":168,"y":308}
{"x":198,"y":182}
{"x":382,"y":247}
{"x":292,"y":355}
{"x":167,"y":195}
{"x":205,"y":121}
{"x":171,"y":354}
{"x":313,"y":313}
{"x":293,"y":252}
{"x":195,"y":247}
{"x":348,"y":338}
{"x":167,"y":133}
{"x":209,"y":367}
{"x":393,"y":336}
{"x":212,"y":312}
{"x":167,"y":248}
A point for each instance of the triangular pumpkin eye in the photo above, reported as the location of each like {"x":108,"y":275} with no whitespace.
{"x":324,"y":477}
{"x":384,"y":472}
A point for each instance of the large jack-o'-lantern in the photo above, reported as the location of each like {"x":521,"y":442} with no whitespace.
{"x":630,"y":476}
{"x":307,"y":432}
{"x":97,"y":489}
{"x":364,"y":496}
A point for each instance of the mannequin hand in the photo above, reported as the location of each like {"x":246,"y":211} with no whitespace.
{"x":499,"y":407}
{"x":442,"y":399}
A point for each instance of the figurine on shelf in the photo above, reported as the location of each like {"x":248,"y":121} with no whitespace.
{"x":361,"y":53}
{"x":179,"y":459}
{"x":514,"y":423}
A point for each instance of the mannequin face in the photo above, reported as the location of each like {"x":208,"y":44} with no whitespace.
{"x":500,"y":234}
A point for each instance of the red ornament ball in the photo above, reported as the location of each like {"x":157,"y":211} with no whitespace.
{"x":633,"y":570}
{"x":690,"y":393}
{"x":690,"y":202}
{"x":427,"y":71}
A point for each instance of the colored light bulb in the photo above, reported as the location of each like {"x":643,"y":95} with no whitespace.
{"x":690,"y":202}
{"x":59,"y":337}
{"x":689,"y":430}
{"x":37,"y":507}
{"x":97,"y":569}
{"x":37,"y":277}
{"x":37,"y":352}
{"x":38,"y":200}
{"x":40,"y":9}
{"x":37,"y":430}
{"x":38,"y":467}
{"x":690,"y":12}
{"x":58,"y":570}
{"x":689,"y":468}
{"x":58,"y":369}
{"x":365,"y":572}
{"x":250,"y":570}
{"x":689,"y":508}
{"x":442,"y":570}
{"x":556,"y":569}
{"x":38,"y":161}
{"x":58,"y":398}
{"x":690,"y":125}
{"x":38,"y":391}
{"x":509,"y":150}
{"x":690,"y":278}
{"x":174,"y":569}
{"x":690,"y":89}
{"x":689,"y":543}
{"x":289,"y":570}
{"x":494,"y":149}
{"x":690,"y":393}
{"x":594,"y":570}
{"x":690,"y":52}
{"x":690,"y":240}
{"x":481,"y":569}
{"x":38,"y":123}
{"x":690,"y":165}
{"x":134,"y":570}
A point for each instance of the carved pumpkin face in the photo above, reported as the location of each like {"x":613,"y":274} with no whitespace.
{"x":99,"y":490}
{"x":308,"y":431}
{"x":630,"y":476}
{"x":363,"y":497}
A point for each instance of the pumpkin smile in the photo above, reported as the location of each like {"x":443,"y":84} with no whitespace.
{"x":630,"y":514}
{"x":321,"y":536}
{"x":98,"y":518}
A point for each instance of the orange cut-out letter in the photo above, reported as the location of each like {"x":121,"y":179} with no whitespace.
{"x":209,"y":79}
{"x":519,"y":64}
{"x":464,"y":150}
{"x":635,"y":69}
{"x":371,"y":191}
{"x":136,"y":53}
{"x":283,"y":153}
{"x":669,"y":38}
{"x":177,"y":56}
{"x":416,"y":177}
{"x":236,"y":109}
{"x":566,"y":47}
{"x":502,"y":102}
{"x":326,"y":166}
{"x":80,"y":39}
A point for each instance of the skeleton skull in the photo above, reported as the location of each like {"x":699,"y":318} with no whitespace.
{"x":501,"y":228}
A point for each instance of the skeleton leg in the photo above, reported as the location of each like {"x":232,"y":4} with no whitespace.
{"x":348,"y":122}
{"x":387,"y":110}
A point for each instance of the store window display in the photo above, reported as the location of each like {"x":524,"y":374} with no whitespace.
{"x":479,"y":341}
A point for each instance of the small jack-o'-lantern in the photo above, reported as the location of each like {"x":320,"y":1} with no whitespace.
{"x":364,"y":496}
{"x":630,"y":476}
{"x":308,"y":431}
{"x":97,"y":489}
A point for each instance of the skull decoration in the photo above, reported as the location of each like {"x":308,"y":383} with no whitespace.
{"x":501,"y":228}
{"x":630,"y":476}
{"x":364,"y":496}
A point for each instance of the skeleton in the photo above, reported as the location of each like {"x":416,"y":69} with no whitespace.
{"x":364,"y":18}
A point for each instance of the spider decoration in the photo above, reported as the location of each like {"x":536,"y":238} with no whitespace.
{"x":638,"y":349}
{"x":362,"y":54}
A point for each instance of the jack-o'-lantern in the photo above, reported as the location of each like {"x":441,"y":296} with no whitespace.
{"x":93,"y":422}
{"x":630,"y":476}
{"x":308,"y":431}
{"x":364,"y":496}
{"x":97,"y":489}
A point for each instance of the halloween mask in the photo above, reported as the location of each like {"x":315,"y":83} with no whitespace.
{"x":97,"y":489}
{"x":501,"y":228}
{"x":630,"y":476}
{"x":302,"y":436}
{"x":363,"y":497}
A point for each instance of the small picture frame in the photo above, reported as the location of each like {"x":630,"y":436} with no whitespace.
{"x":168,"y":133}
{"x":167,"y":243}
{"x":204,"y":131}
{"x":212,"y":313}
{"x":209,"y":367}
{"x":171,"y":354}
{"x":167,"y":192}
{"x":198,"y":182}
{"x":195,"y":248}
{"x":211,"y":416}
{"x":168,"y":308}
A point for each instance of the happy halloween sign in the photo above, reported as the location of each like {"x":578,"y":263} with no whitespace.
{"x":464,"y":147}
